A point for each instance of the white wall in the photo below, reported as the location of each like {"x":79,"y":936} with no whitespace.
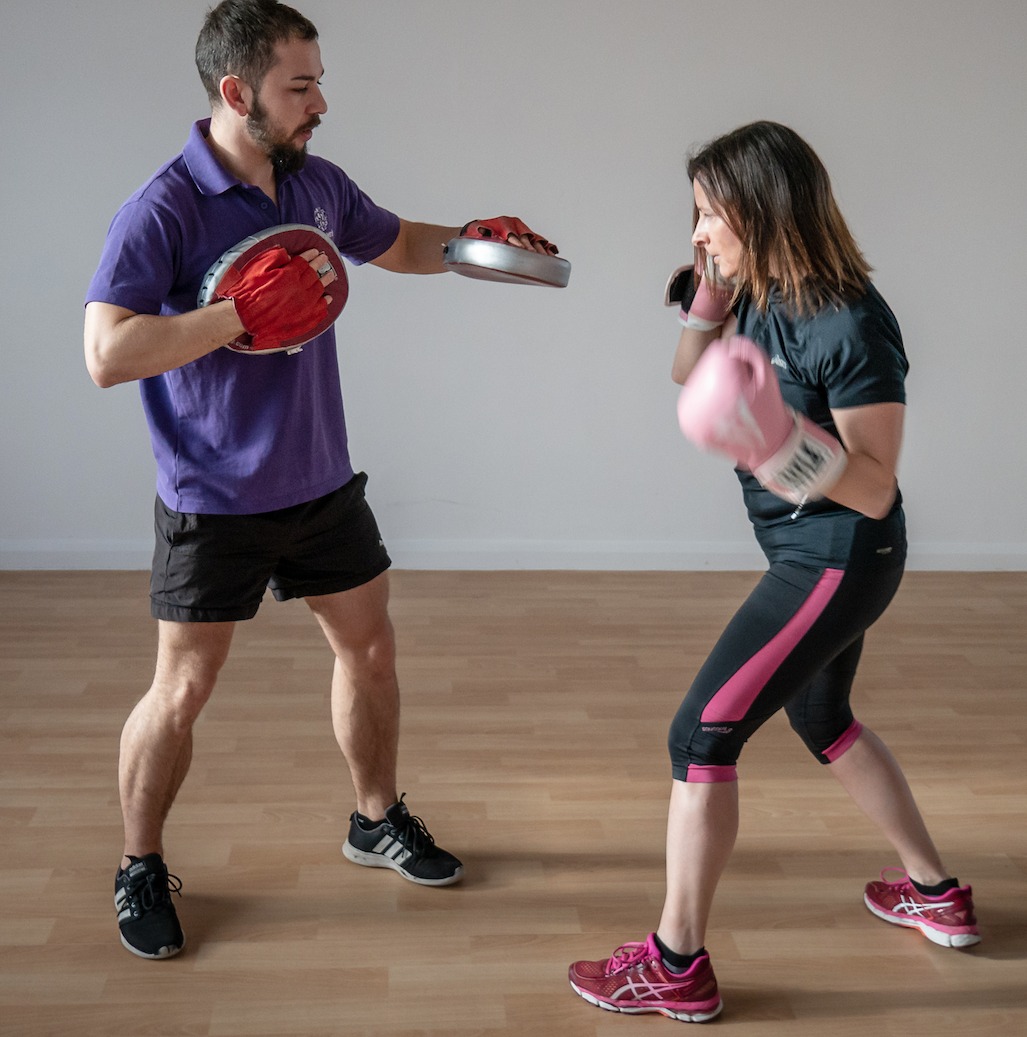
{"x":525,"y":427}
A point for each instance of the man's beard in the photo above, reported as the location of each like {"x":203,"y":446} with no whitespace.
{"x":284,"y":157}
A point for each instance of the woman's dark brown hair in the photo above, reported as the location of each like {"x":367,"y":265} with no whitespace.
{"x":775,"y":194}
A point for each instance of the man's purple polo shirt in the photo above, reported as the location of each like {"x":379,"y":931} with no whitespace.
{"x":236,"y":434}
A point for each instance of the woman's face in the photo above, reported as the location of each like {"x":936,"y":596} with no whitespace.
{"x":715,"y":236}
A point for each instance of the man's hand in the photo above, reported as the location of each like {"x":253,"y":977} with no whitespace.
{"x":278,"y":297}
{"x":508,"y":230}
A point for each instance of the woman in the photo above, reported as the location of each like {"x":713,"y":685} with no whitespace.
{"x":812,"y":414}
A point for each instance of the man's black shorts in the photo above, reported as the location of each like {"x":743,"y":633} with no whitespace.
{"x":216,"y":568}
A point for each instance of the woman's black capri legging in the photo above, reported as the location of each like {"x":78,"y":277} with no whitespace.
{"x":794,"y":644}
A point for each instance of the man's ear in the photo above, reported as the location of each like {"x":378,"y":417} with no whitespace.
{"x":236,"y":95}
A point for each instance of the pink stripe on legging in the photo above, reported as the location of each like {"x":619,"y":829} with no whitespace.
{"x":708,"y":774}
{"x":735,"y":698}
{"x":843,"y":744}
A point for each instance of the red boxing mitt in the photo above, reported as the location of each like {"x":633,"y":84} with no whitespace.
{"x":253,"y":273}
{"x":278,"y":297}
{"x":502,"y":228}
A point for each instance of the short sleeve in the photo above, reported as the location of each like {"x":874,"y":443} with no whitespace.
{"x":137,"y":268}
{"x":858,"y":355}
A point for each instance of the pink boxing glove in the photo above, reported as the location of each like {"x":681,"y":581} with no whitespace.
{"x":703,"y":308}
{"x":731,"y":403}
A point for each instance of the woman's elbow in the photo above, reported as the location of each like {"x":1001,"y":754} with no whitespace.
{"x":879,"y":504}
{"x":885,"y":508}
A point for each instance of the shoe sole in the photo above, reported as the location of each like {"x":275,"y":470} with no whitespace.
{"x":378,"y":860}
{"x":670,"y":1013}
{"x":942,"y":939}
{"x":164,"y":952}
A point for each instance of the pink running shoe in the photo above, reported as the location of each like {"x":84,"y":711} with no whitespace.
{"x":947,"y":920}
{"x":635,"y":980}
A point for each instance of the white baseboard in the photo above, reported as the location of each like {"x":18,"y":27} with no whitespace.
{"x":75,"y":554}
{"x":947,"y":557}
{"x":606,"y":555}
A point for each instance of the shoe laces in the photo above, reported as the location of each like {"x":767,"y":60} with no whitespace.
{"x":150,"y":892}
{"x":902,"y":880}
{"x":896,"y":880}
{"x":414,"y":836}
{"x":625,"y":956}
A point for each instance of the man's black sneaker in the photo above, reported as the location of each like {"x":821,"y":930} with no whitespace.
{"x":146,"y":915}
{"x":400,"y":842}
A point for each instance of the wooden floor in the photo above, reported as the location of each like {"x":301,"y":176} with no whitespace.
{"x":535,"y":716}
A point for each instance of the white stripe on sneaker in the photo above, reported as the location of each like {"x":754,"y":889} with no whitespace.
{"x":393,"y":849}
{"x":909,"y":906}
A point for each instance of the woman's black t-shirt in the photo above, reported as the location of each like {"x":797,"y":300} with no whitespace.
{"x":847,"y":355}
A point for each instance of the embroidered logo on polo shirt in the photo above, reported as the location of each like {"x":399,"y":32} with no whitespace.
{"x":778,"y":361}
{"x":321,"y":220}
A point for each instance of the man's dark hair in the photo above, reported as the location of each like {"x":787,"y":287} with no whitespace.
{"x":238,"y":38}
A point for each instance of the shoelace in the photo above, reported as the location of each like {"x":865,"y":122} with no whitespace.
{"x":625,"y":956}
{"x":902,"y":880}
{"x":415,"y":837}
{"x":150,"y":892}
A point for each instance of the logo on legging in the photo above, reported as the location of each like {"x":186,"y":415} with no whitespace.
{"x":718,"y":730}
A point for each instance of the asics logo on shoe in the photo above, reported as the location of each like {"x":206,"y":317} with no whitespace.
{"x":916,"y":907}
{"x":643,"y":988}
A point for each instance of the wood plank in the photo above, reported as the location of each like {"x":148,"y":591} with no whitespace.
{"x":534,"y":726}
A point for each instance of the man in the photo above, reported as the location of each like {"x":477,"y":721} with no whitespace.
{"x":255,"y":485}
